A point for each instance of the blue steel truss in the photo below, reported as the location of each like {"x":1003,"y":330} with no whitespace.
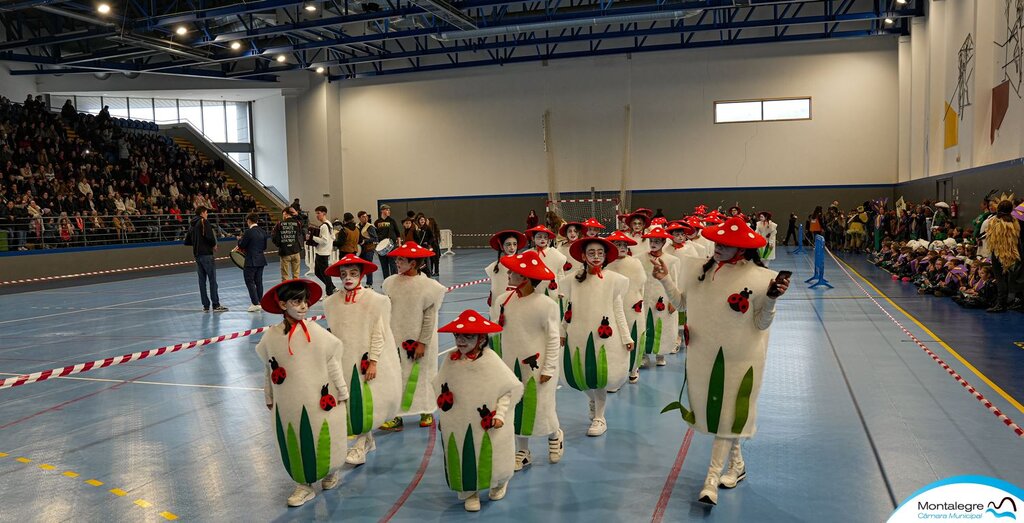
{"x":348,"y":39}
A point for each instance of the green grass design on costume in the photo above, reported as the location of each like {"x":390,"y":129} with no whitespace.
{"x":577,"y":370}
{"x":323,"y":450}
{"x":602,"y":368}
{"x":682,"y":318}
{"x":452,"y":466}
{"x":294,"y":457}
{"x":496,"y":344}
{"x":307,"y":447}
{"x":410,"y":386}
{"x":649,"y":331}
{"x":282,"y":444}
{"x":483,"y":469}
{"x":355,"y":405}
{"x":716,"y":391}
{"x":570,"y":379}
{"x":367,"y":408}
{"x":526,"y":415}
{"x":468,"y":460}
{"x":657,"y":337}
{"x":591,"y":363}
{"x":743,"y":401}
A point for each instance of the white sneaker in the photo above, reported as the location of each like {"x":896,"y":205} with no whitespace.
{"x":613,"y":391}
{"x":254,"y":308}
{"x":597,"y":428}
{"x":556,"y":447}
{"x":634,"y":376}
{"x":473,"y":502}
{"x":660,"y":361}
{"x":593,"y":410}
{"x":356,"y":456}
{"x":709,"y":494}
{"x":732,"y":477}
{"x":522,"y":459}
{"x":498,"y":492}
{"x":645,"y":362}
{"x":331,"y":480}
{"x":371,"y":443}
{"x":302,"y":494}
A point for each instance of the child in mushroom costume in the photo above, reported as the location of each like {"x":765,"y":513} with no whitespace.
{"x":361,"y":319}
{"x":592,"y":228}
{"x":506,"y":243}
{"x":683,"y":247}
{"x":543,"y":239}
{"x":415,"y":304}
{"x":596,"y":336}
{"x":733,"y":299}
{"x":633,"y":301}
{"x":694,"y":238}
{"x":475,"y":390}
{"x":661,"y":320}
{"x":638,"y":222}
{"x":529,"y":345}
{"x":305,"y":389}
{"x":571,"y":231}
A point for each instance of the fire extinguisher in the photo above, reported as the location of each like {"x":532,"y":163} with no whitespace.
{"x":954,"y":210}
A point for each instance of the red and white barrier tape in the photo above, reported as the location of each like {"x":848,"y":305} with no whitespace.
{"x":108,"y":271}
{"x":60,"y":372}
{"x":949,"y":370}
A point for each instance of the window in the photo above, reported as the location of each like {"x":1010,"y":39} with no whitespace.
{"x":243,"y":159}
{"x":192,"y":112}
{"x":238,"y":122}
{"x":763,"y":110}
{"x":118,"y":106}
{"x":88,"y":104}
{"x":166,"y":110}
{"x":141,"y":108}
{"x":214,"y":125}
{"x":57,"y":101}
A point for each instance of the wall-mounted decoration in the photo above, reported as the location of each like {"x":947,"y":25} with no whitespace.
{"x":1013,"y":47}
{"x":950,"y":134}
{"x":1000,"y":103}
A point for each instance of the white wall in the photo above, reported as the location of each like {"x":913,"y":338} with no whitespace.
{"x":314,"y":148}
{"x":478,"y":131}
{"x":15,"y":87}
{"x":270,"y":142}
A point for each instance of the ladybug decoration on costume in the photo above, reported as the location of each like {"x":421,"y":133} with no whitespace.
{"x":532,"y":361}
{"x":568,"y":313}
{"x":605,"y":330}
{"x":445,"y":400}
{"x":488,"y":299}
{"x":364,"y":363}
{"x":660,"y":306}
{"x":552,"y":286}
{"x":486,"y":417}
{"x":686,"y":335}
{"x":409,"y":346}
{"x":501,"y":316}
{"x":327,"y":402}
{"x":740,"y":302}
{"x":277,"y":372}
{"x":567,"y":266}
{"x":638,"y":306}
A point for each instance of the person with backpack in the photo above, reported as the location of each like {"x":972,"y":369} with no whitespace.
{"x":286,"y":236}
{"x":348,"y":236}
{"x":324,"y":245}
{"x":367,"y":242}
{"x":204,"y":242}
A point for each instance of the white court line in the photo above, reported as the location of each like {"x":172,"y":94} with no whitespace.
{"x":164,"y":383}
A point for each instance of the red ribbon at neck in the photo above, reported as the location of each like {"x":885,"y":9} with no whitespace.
{"x":517,"y":291}
{"x":732,"y":261}
{"x":596,"y":270}
{"x":656,"y":254}
{"x":292,"y":331}
{"x":350,"y":296}
{"x":679,"y":245}
{"x":540,"y":250}
{"x":471,"y":355}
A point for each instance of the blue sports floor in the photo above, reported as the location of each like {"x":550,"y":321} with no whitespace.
{"x":854,"y":417}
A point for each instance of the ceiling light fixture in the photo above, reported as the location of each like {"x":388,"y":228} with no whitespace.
{"x":181,"y":30}
{"x":236,"y":45}
{"x":901,"y":2}
{"x":310,"y":8}
{"x":103,"y":9}
{"x":281,"y":58}
{"x":319,"y":70}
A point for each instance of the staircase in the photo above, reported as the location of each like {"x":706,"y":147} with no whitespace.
{"x":261,"y":203}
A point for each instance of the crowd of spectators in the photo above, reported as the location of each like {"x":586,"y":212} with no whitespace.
{"x":107,"y":181}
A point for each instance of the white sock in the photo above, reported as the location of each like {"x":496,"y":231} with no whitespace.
{"x":522,"y":443}
{"x":719,"y":453}
{"x":600,"y":399}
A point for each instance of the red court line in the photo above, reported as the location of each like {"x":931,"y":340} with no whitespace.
{"x":670,"y":481}
{"x":415,"y":479}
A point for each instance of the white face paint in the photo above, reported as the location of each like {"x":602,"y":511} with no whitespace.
{"x":540,"y":239}
{"x":592,"y":232}
{"x":296,"y":309}
{"x":656,"y":244}
{"x":467,"y":342}
{"x":351,"y":276}
{"x":595,"y":254}
{"x":678,"y":236}
{"x":638,"y":225}
{"x":510,"y":246}
{"x":724,"y":252}
{"x":623,"y":248}
{"x":572,"y":233}
{"x":515,"y":279}
{"x":404,"y":264}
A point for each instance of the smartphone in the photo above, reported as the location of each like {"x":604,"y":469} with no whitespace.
{"x":783,"y":275}
{"x":773,"y":288}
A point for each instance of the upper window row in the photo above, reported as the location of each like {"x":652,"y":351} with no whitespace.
{"x":767,"y":110}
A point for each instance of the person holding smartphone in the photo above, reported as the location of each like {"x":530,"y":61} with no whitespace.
{"x":730,"y":304}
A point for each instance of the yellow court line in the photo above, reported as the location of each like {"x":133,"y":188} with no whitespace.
{"x":94,"y":482}
{"x":1006,"y":396}
{"x":70,"y":474}
{"x":143,"y":503}
{"x":118,"y":492}
{"x":168,"y":516}
{"x":47,"y":466}
{"x":4,"y":454}
{"x":23,"y":460}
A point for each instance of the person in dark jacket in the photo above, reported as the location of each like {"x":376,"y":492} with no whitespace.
{"x":287,"y":236}
{"x":367,"y":242}
{"x":387,"y":227}
{"x":253,"y":243}
{"x":204,"y":242}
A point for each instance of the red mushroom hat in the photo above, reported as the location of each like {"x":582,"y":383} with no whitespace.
{"x":471,"y":322}
{"x":619,"y":236}
{"x":367,"y":267}
{"x":611,"y":252}
{"x":658,"y":232}
{"x":734,"y":233}
{"x":529,"y":265}
{"x":269,"y":302}
{"x":540,"y":228}
{"x":499,"y":236}
{"x":411,"y":250}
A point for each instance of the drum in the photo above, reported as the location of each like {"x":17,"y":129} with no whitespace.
{"x":238,"y":257}
{"x":385,"y":246}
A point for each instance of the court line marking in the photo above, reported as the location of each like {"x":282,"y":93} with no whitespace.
{"x":1006,"y":396}
{"x":416,"y":478}
{"x":670,"y":481}
{"x":164,"y":383}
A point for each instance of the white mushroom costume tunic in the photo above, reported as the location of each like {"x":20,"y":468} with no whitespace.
{"x":638,"y":237}
{"x":553,"y":259}
{"x":686,"y":250}
{"x":694,"y":238}
{"x":530,"y":345}
{"x":729,"y":319}
{"x":415,"y":304}
{"x":361,"y":319}
{"x":494,"y":270}
{"x":306,"y":385}
{"x":472,"y":392}
{"x":596,"y":332}
{"x":661,"y":319}
{"x":633,"y":300}
{"x":769,"y":230}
